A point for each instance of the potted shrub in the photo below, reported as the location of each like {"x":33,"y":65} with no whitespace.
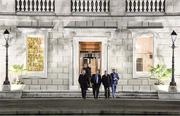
{"x":17,"y":83}
{"x":161,"y":73}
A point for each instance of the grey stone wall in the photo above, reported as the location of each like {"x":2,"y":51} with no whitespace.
{"x":120,"y":53}
{"x":59,"y":58}
{"x":59,"y":64}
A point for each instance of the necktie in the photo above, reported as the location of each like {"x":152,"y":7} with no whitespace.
{"x":96,"y":78}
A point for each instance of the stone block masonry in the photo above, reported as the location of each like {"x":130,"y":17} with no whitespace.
{"x":46,"y":84}
{"x":136,"y":85}
{"x":120,"y":40}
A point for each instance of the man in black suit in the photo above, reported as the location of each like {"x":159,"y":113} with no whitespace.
{"x":84,"y":82}
{"x":88,"y":72}
{"x":106,"y":80}
{"x":96,"y":82}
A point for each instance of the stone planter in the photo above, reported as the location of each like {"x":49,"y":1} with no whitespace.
{"x":165,"y":93}
{"x":169,"y":95}
{"x":163,"y":88}
{"x":15,"y":91}
{"x":17,"y":87}
{"x":10,"y":94}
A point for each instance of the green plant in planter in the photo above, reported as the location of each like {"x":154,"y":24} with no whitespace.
{"x":17,"y":70}
{"x":17,"y":82}
{"x":161,"y":73}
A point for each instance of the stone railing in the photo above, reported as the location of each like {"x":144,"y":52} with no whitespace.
{"x":145,"y":5}
{"x":35,"y":5}
{"x":91,"y":6}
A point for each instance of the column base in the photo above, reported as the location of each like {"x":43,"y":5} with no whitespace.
{"x":6,"y":87}
{"x":172,"y":89}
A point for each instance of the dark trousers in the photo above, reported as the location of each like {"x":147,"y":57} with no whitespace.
{"x":95,"y":90}
{"x":83,"y":92}
{"x":90,"y":85}
{"x":107,"y":92}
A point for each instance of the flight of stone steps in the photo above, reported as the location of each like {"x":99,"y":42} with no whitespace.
{"x":77,"y":94}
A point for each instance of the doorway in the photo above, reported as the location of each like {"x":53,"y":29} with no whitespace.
{"x":78,"y":52}
{"x":90,"y":56}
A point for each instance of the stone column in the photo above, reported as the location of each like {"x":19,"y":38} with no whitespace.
{"x":108,"y":47}
{"x":108,"y":51}
{"x":72,"y":80}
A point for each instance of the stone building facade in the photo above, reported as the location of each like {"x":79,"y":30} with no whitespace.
{"x":115,"y":24}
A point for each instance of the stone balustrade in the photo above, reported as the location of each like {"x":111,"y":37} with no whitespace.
{"x":90,"y":6}
{"x":145,"y":5}
{"x":35,"y":5}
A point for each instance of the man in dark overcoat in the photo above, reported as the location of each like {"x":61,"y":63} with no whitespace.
{"x":84,"y":82}
{"x":96,"y":82}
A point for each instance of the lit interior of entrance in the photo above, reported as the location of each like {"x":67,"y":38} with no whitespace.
{"x":90,"y":54}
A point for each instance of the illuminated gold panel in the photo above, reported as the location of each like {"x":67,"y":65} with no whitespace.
{"x":35,"y":54}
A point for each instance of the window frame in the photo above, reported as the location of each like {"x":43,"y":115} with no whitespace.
{"x":143,"y":74}
{"x":37,"y":33}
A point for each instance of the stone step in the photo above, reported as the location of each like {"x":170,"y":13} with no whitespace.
{"x":77,"y":106}
{"x":77,"y":94}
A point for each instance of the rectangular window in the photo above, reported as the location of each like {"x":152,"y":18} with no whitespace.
{"x":144,"y":51}
{"x":139,"y":64}
{"x":143,"y":55}
{"x":35,"y":54}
